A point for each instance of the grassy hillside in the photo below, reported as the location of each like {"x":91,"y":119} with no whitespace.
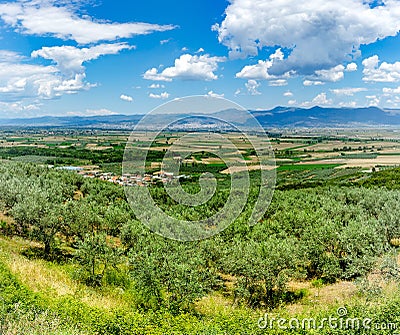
{"x":74,"y":259}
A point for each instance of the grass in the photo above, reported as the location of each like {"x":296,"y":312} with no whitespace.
{"x":45,"y":300}
{"x":19,"y":321}
{"x":54,"y":279}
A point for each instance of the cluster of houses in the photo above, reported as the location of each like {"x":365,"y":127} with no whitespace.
{"x":126,"y":179}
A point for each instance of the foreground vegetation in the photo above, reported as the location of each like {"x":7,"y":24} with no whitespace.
{"x":74,"y":259}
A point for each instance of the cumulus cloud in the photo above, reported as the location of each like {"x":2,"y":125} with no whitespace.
{"x":308,"y":82}
{"x":319,"y":100}
{"x":69,"y":86}
{"x":259,"y":71}
{"x":20,"y":80}
{"x":187,"y":67}
{"x":320,"y":77}
{"x":252,"y":86}
{"x":318,"y":34}
{"x":351,"y":67}
{"x":373,"y":100}
{"x":288,"y":94}
{"x":15,"y":108}
{"x":24,"y":84}
{"x":333,"y":74}
{"x":54,"y":18}
{"x":125,"y":97}
{"x":278,"y":82}
{"x":70,"y":59}
{"x":348,"y":91}
{"x":384,"y":72}
{"x":163,"y":95}
{"x":67,"y":76}
{"x":388,"y":90}
{"x":215,"y":95}
{"x":10,"y":56}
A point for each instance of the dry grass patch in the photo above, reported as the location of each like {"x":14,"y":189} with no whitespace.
{"x":52,"y":279}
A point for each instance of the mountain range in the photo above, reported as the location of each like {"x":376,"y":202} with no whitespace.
{"x":278,"y":117}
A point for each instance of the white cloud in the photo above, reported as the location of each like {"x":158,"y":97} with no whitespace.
{"x":388,"y":90}
{"x":156,"y":86}
{"x":23,"y":84}
{"x":67,"y":76}
{"x":333,"y":74}
{"x":320,"y":100}
{"x":10,"y":56}
{"x":349,"y":91}
{"x":152,"y":74}
{"x":385,"y":72}
{"x":15,"y":108}
{"x":252,"y":86}
{"x":292,"y":102}
{"x":393,"y":102}
{"x":215,"y":95}
{"x":278,"y":82}
{"x":351,"y":67}
{"x":373,"y":100}
{"x":288,"y":94}
{"x":71,"y":86}
{"x":14,"y":85}
{"x":320,"y":34}
{"x":351,"y":104}
{"x":43,"y":17}
{"x":162,"y":42}
{"x":69,"y":59}
{"x":259,"y":71}
{"x":200,"y":50}
{"x":320,"y":77}
{"x":125,"y":97}
{"x":163,"y":95}
{"x":187,"y":67}
{"x":308,"y":82}
{"x":96,"y":112}
{"x":20,"y":80}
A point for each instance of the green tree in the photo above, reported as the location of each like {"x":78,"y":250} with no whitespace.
{"x":96,"y":255}
{"x":169,"y":274}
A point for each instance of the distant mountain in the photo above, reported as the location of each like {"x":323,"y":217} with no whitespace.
{"x":106,"y":121}
{"x":327,"y":117}
{"x":315,"y":117}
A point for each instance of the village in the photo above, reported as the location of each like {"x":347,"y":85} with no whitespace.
{"x":126,"y":179}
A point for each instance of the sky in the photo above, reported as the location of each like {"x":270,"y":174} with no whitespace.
{"x":99,"y":57}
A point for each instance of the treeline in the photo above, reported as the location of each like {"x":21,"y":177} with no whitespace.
{"x":325,"y":233}
{"x":111,"y":155}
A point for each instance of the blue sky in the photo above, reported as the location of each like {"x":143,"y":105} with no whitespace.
{"x":102,"y":57}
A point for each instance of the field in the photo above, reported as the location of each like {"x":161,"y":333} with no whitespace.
{"x":75,"y":258}
{"x":363,"y":148}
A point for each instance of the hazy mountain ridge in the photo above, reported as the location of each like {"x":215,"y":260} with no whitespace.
{"x":276,"y":117}
{"x":327,"y":117}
